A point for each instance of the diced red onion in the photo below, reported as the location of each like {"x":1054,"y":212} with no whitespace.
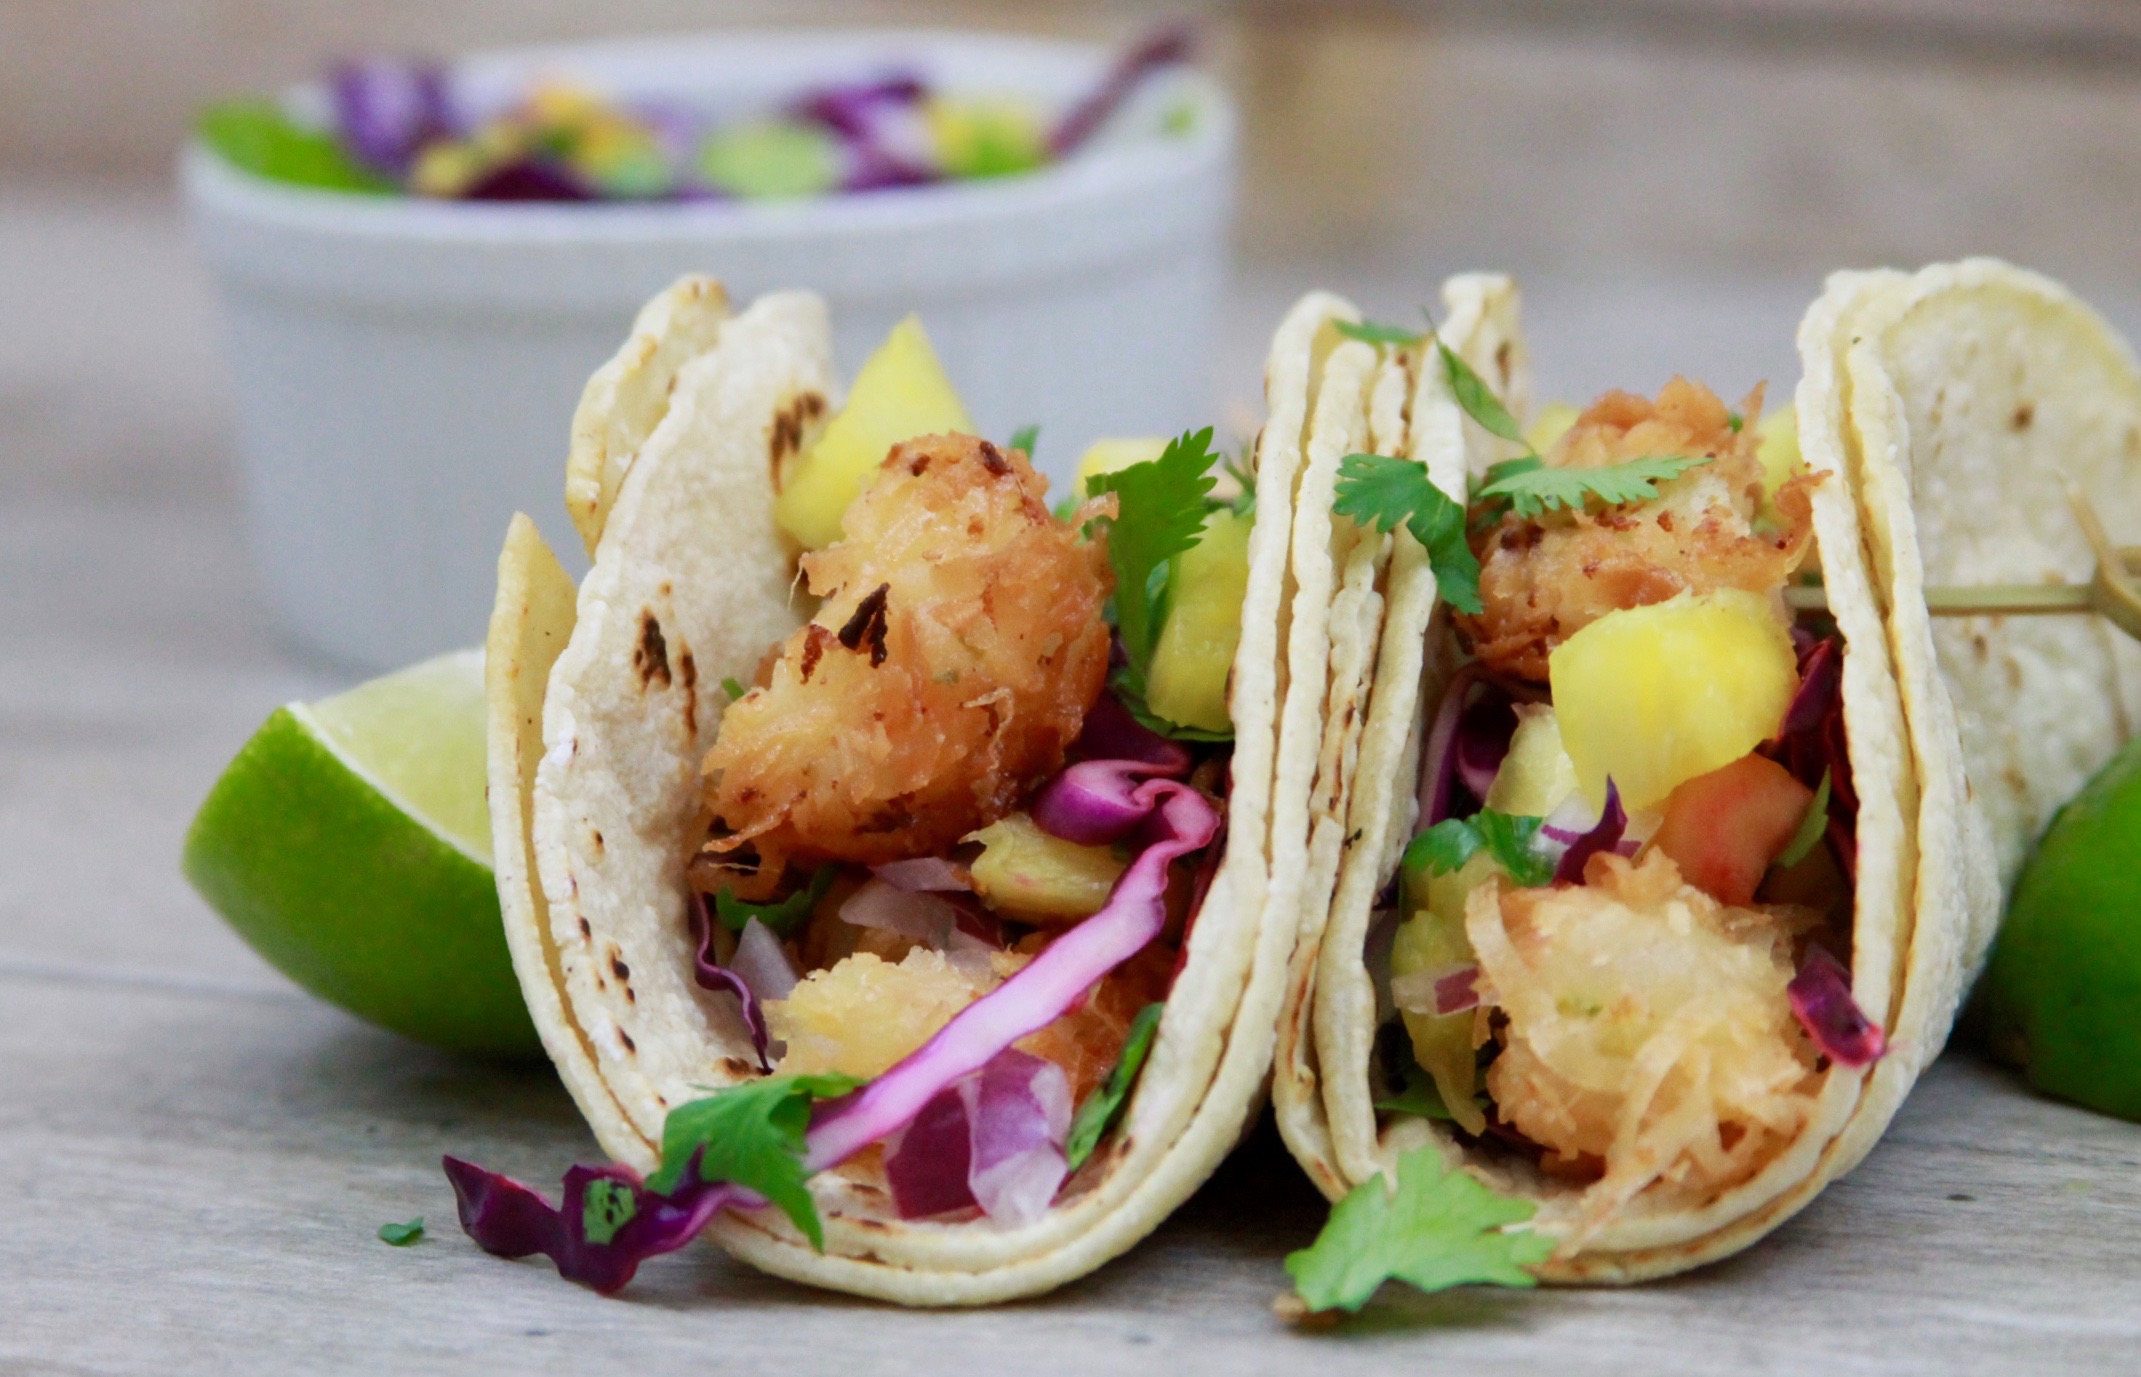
{"x":508,"y":1219}
{"x":1821,"y":1000}
{"x":1112,"y":732}
{"x":1019,"y":1107}
{"x":926,"y":918}
{"x":1451,"y":990}
{"x":925,"y":875}
{"x":1605,"y":835}
{"x":386,"y":111}
{"x":1037,"y":994}
{"x":763,"y":962}
{"x":994,"y":1139}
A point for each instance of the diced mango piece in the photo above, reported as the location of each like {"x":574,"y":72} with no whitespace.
{"x":861,"y":1016}
{"x":1656,"y":695}
{"x":1113,"y":456}
{"x":1537,"y":776}
{"x":900,"y":394}
{"x":1025,"y":871}
{"x":1554,"y":420}
{"x":1187,"y":682}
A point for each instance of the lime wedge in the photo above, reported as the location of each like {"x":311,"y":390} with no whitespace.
{"x":348,"y":843}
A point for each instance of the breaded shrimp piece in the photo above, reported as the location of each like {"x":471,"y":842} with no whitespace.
{"x":957,"y":650}
{"x":1544,"y":578}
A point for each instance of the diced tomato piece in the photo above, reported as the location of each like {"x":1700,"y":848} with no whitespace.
{"x":1724,"y":828}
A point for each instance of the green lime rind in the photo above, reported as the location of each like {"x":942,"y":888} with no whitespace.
{"x":2062,"y":993}
{"x":349,"y":896}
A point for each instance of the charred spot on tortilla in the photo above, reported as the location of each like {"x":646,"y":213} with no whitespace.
{"x":2024,"y":414}
{"x":587,"y":932}
{"x":651,"y":657}
{"x":737,"y":1066}
{"x":629,"y":1045}
{"x":617,"y":966}
{"x":789,"y":425}
{"x":688,"y":672}
{"x":594,"y":836}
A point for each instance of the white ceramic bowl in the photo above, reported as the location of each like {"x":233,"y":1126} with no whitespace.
{"x":406,"y":370}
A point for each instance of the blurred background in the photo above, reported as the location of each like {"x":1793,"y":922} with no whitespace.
{"x":1672,"y":177}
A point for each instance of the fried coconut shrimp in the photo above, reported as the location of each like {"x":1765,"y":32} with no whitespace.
{"x":1544,"y":578}
{"x":1649,"y":1041}
{"x":957,"y":650}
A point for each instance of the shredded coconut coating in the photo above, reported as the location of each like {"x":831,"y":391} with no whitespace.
{"x":1649,"y":1040}
{"x":957,"y":650}
{"x":1544,"y":578}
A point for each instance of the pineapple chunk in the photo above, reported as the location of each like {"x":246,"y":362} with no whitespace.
{"x":900,"y":394}
{"x":1113,"y":456}
{"x":1778,"y":450}
{"x":1026,"y":872}
{"x":863,"y":1015}
{"x":1554,"y":420}
{"x":1187,"y":682}
{"x":1537,"y":776}
{"x":1656,"y":695}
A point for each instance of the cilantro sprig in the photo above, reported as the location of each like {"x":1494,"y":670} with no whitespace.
{"x":783,"y":916}
{"x":399,"y":1235}
{"x":1812,"y":828}
{"x":750,"y":1135}
{"x":1435,"y":1228}
{"x":1510,"y":838}
{"x":1105,"y":1104}
{"x":1161,"y":509}
{"x":1529,"y":488}
{"x":1380,"y":491}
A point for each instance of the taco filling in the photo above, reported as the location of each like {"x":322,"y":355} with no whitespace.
{"x":932,"y":784}
{"x":1612,"y":932}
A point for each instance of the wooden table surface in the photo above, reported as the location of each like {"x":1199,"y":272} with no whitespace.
{"x":199,"y":1154}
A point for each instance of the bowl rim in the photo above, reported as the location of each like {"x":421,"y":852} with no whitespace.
{"x":1105,"y":172}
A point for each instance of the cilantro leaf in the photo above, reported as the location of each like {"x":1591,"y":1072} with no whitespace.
{"x":1130,"y":689}
{"x":733,"y":688}
{"x":1372,"y":332}
{"x":260,"y":137}
{"x":751,"y":1135}
{"x":1511,"y":839}
{"x":1438,"y":1228}
{"x":402,"y":1235}
{"x":607,"y":1207}
{"x":1162,"y":509}
{"x":1380,"y":491}
{"x":1025,"y":438}
{"x":1536,"y":490}
{"x":1241,"y":468}
{"x":781,"y":915}
{"x":1104,"y":1105}
{"x":1812,"y":828}
{"x":1476,"y":398}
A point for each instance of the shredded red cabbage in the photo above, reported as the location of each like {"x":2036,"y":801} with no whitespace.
{"x":1605,"y":835}
{"x":1484,"y":730}
{"x":1821,"y":1000}
{"x":1438,"y":757}
{"x":1098,"y":800}
{"x":1180,"y":822}
{"x":993,"y":1139}
{"x":386,"y":111}
{"x":1814,"y":739}
{"x":600,"y":1247}
{"x":1457,"y":991}
{"x":529,"y":179}
{"x":712,"y":975}
{"x":1167,"y":48}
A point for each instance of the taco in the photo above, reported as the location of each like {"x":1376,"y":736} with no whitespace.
{"x":901,"y":873}
{"x":1659,"y":891}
